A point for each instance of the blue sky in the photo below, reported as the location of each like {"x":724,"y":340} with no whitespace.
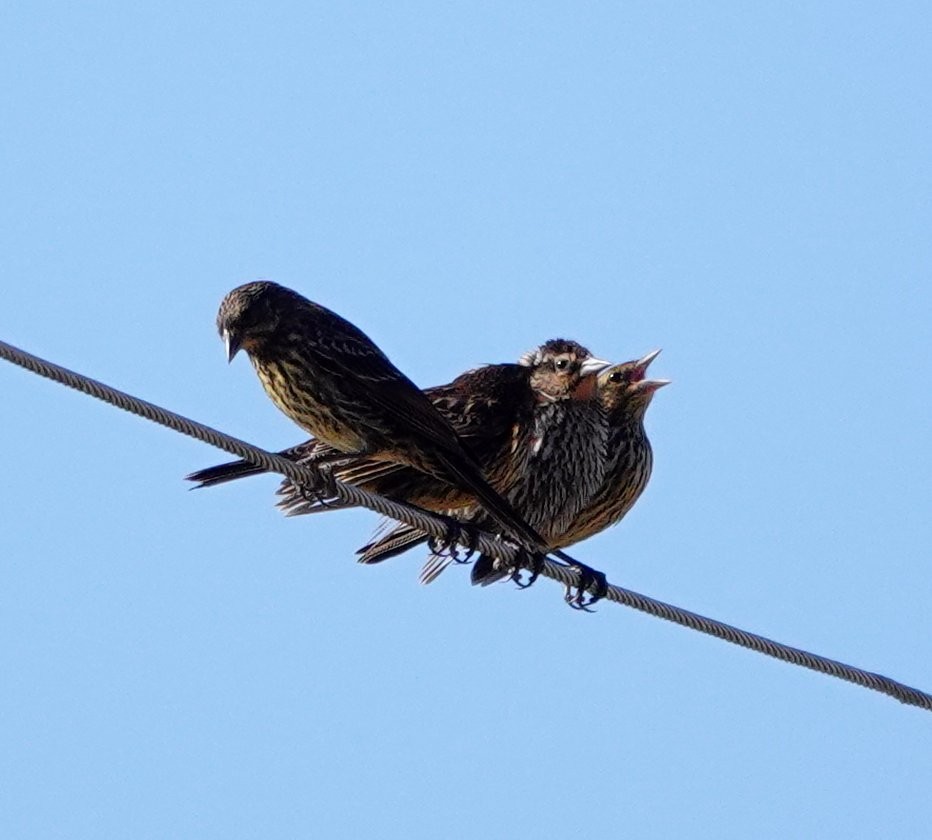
{"x":746,"y":186}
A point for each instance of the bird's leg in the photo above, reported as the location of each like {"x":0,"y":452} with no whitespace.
{"x":323,"y":489}
{"x":468,"y":540}
{"x":328,"y":487}
{"x":459,"y":543}
{"x":591,"y":581}
{"x":446,"y":546}
{"x":532,"y":561}
{"x":443,"y":546}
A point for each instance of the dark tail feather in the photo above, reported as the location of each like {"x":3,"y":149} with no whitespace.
{"x":397,"y":541}
{"x":302,"y":507}
{"x":484,"y":572}
{"x":223,"y":473}
{"x":433,"y":567}
{"x":232,"y":470}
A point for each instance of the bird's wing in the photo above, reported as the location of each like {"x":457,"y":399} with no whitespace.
{"x":349,"y":353}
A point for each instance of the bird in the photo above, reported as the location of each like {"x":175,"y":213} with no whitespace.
{"x":331,"y":379}
{"x":556,"y":461}
{"x":624,"y":395}
{"x":497,"y":411}
{"x":480,"y":405}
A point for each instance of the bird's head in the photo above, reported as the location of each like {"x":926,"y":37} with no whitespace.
{"x":624,"y":388}
{"x":561,"y":370}
{"x":252,"y":313}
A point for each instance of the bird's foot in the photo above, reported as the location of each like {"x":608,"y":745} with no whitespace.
{"x":531,"y":562}
{"x":467,"y":544}
{"x":459,"y":543}
{"x":591,"y":587}
{"x":321,"y":491}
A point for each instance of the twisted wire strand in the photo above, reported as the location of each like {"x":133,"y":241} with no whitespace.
{"x":439,"y":527}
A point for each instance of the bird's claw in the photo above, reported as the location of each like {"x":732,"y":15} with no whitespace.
{"x":534,"y":565}
{"x":439,"y":546}
{"x":467,"y":542}
{"x":459,"y":543}
{"x":591,"y":582}
{"x":322,"y":490}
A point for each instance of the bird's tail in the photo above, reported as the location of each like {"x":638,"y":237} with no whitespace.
{"x":433,"y":567}
{"x":222,"y":473}
{"x":386,"y":545}
{"x":232,"y":470}
{"x":390,"y":542}
{"x":484,"y":572}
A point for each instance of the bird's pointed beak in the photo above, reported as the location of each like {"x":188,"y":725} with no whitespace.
{"x":648,"y":386}
{"x":232,"y":343}
{"x":643,"y":385}
{"x":586,"y":388}
{"x":593,"y":365}
{"x":644,"y":362}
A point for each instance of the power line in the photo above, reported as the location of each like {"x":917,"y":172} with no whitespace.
{"x":440,"y":527}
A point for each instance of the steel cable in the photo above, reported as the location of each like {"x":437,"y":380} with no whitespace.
{"x":440,"y":528}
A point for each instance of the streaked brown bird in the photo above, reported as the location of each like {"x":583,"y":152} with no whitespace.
{"x":511,"y":416}
{"x":624,"y":394}
{"x":481,"y":405}
{"x":332,"y":380}
{"x":555,"y":461}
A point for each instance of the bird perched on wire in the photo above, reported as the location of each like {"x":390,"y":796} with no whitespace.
{"x":509,"y":415}
{"x":556,"y":459}
{"x":332,"y":380}
{"x":480,"y":406}
{"x":624,"y":395}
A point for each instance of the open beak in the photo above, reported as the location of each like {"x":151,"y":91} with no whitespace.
{"x":648,"y":386}
{"x":640,"y":384}
{"x":644,"y":362}
{"x":232,"y":343}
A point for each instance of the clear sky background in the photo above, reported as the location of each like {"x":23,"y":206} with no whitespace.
{"x":746,"y":186}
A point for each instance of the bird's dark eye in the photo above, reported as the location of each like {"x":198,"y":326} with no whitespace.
{"x":615,"y":376}
{"x":561,"y":364}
